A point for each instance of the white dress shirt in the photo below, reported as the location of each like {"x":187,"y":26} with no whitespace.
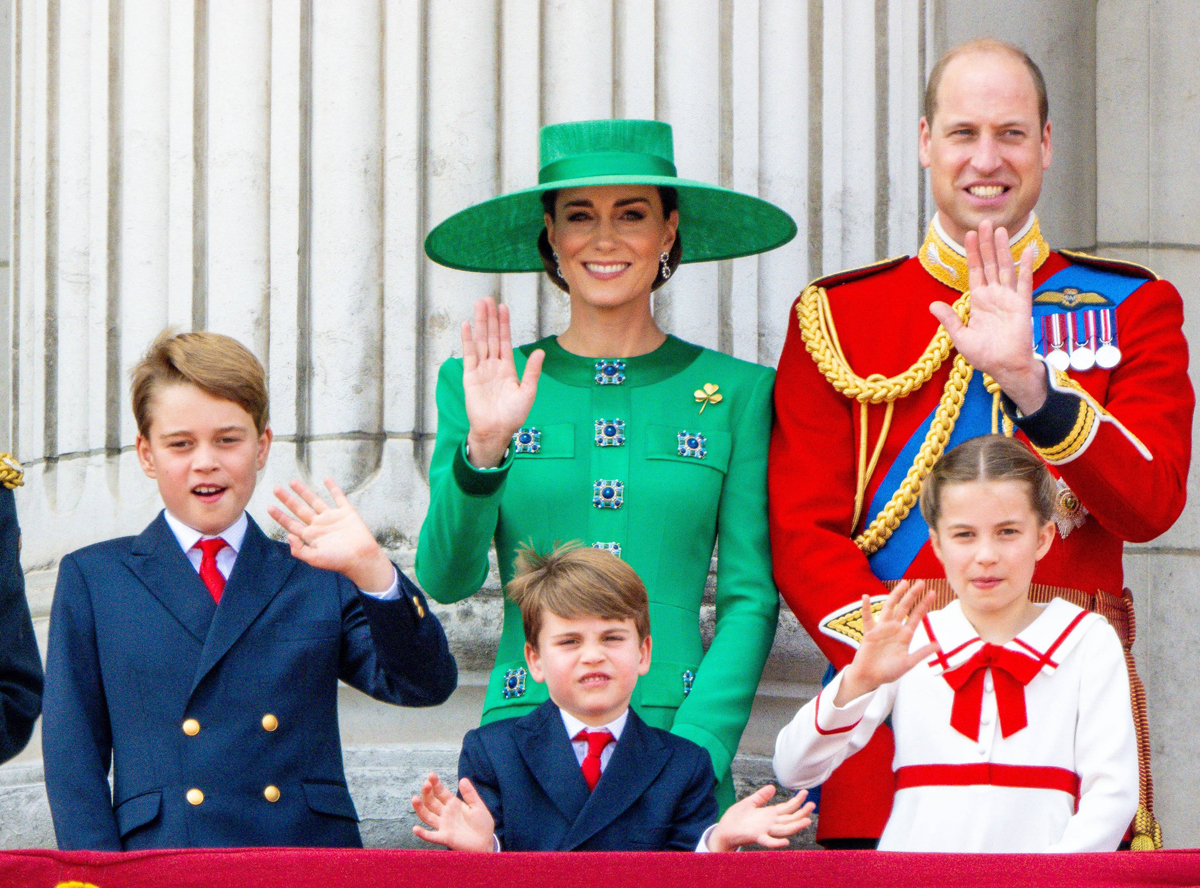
{"x":234,"y":535}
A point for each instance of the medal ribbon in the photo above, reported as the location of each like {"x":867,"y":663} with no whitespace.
{"x":1011,"y":671}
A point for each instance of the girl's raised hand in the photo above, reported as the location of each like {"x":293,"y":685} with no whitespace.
{"x":497,"y":401}
{"x":883,"y":654}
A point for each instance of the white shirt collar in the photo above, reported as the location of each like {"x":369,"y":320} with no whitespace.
{"x":574,"y":725}
{"x":187,"y":536}
{"x":960,"y":249}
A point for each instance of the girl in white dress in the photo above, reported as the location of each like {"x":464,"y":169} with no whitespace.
{"x":1013,"y":726}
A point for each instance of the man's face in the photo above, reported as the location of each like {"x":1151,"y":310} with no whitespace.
{"x":984,"y":149}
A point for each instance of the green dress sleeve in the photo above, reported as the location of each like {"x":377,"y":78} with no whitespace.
{"x":714,"y":714}
{"x":464,"y":502}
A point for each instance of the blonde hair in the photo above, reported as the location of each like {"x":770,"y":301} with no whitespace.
{"x":990,"y":458}
{"x":574,"y":581}
{"x":216,"y":364}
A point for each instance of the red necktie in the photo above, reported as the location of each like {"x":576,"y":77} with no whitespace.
{"x":596,"y":741}
{"x":209,"y":573}
{"x":1011,"y":671}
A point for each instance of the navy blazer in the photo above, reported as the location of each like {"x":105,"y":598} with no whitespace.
{"x":220,"y":721}
{"x":20,"y":665}
{"x":656,"y":793}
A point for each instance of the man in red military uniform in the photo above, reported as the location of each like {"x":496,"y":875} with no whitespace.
{"x":1083,"y":358}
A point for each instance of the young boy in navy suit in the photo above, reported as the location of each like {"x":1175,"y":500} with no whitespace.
{"x":201,"y":658}
{"x":583,"y":772}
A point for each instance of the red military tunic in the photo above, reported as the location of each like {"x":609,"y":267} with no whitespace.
{"x":1123,"y":450}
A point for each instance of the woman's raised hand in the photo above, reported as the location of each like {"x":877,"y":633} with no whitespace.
{"x":883,"y":655}
{"x":497,"y":402}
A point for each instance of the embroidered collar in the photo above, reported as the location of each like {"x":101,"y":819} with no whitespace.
{"x":1049,"y":639}
{"x":947,"y":261}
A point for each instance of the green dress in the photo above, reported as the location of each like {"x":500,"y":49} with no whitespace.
{"x":618,"y":454}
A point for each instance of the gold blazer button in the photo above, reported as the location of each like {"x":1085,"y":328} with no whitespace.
{"x":269,"y":722}
{"x":191,"y":727}
{"x":195,"y":797}
{"x":271,"y":793}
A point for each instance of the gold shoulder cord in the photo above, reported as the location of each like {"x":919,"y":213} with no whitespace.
{"x":11,"y":475}
{"x":820,"y":338}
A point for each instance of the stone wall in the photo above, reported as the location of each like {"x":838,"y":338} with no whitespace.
{"x":268,"y":169}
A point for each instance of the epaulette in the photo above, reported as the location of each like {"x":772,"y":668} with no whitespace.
{"x":11,"y":473}
{"x":854,"y":274}
{"x":1117,"y":266}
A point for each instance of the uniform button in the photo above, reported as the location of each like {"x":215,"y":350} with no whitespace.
{"x":191,"y":727}
{"x":269,"y":722}
{"x":271,"y":793}
{"x":195,"y":797}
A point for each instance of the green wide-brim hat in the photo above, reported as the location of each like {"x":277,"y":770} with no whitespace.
{"x":501,"y":234}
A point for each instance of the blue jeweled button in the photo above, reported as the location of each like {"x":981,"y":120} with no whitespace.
{"x":610,"y":433}
{"x":611,"y":548}
{"x":692,"y":444}
{"x":527,"y":440}
{"x":688,"y":678}
{"x":610,"y":372}
{"x":608,"y":494}
{"x":514,"y":683}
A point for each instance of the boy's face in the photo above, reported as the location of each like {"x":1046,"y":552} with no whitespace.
{"x":205,"y":454}
{"x":590,"y":665}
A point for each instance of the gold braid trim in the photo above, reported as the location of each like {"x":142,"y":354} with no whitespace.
{"x":11,"y":473}
{"x":820,"y":338}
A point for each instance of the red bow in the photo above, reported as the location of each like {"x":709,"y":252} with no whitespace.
{"x":1011,"y":671}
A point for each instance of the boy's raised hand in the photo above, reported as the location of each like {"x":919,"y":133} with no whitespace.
{"x":752,"y":820}
{"x":460,"y":824}
{"x":332,"y":537}
{"x":882,"y":655}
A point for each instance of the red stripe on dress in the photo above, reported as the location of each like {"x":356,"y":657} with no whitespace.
{"x":988,"y":774}
{"x":1044,"y":659}
{"x":817,"y":722}
{"x":939,"y":657}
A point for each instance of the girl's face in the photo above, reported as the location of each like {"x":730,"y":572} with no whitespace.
{"x":609,"y":239}
{"x":989,"y":540}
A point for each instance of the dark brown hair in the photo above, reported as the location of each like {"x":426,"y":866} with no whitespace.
{"x":670,"y":202}
{"x":216,"y":364}
{"x":989,"y":458}
{"x":574,"y":581}
{"x":981,"y":45}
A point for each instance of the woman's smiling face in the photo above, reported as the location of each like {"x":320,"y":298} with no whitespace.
{"x":609,"y":239}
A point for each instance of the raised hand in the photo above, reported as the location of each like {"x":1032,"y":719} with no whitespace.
{"x":497,"y":402}
{"x":332,"y":537}
{"x":882,"y":655}
{"x":997,"y":338}
{"x":752,"y":820}
{"x":460,"y":824}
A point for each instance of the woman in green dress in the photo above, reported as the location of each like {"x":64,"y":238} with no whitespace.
{"x":613,"y":432}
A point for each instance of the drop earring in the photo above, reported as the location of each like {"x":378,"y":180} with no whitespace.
{"x":557,"y":265}
{"x":665,"y":271}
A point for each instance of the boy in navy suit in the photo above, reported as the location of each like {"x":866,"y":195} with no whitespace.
{"x":201,"y":658}
{"x":583,"y":772}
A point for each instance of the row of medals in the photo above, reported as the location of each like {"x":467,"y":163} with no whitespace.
{"x":1080,"y":340}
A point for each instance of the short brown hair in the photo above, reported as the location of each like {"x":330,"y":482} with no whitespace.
{"x":216,"y":364}
{"x":670,"y":202}
{"x":574,"y":581}
{"x":990,"y":458}
{"x":987,"y":44}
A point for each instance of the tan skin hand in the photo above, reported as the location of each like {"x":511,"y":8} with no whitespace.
{"x":753,"y":821}
{"x":497,"y":402}
{"x":882,"y":655}
{"x":332,"y":537}
{"x":460,"y":824}
{"x":997,"y":337}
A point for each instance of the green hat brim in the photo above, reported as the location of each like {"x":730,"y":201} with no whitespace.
{"x":501,"y":234}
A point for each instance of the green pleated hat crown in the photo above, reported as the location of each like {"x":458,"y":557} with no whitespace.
{"x":501,"y":234}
